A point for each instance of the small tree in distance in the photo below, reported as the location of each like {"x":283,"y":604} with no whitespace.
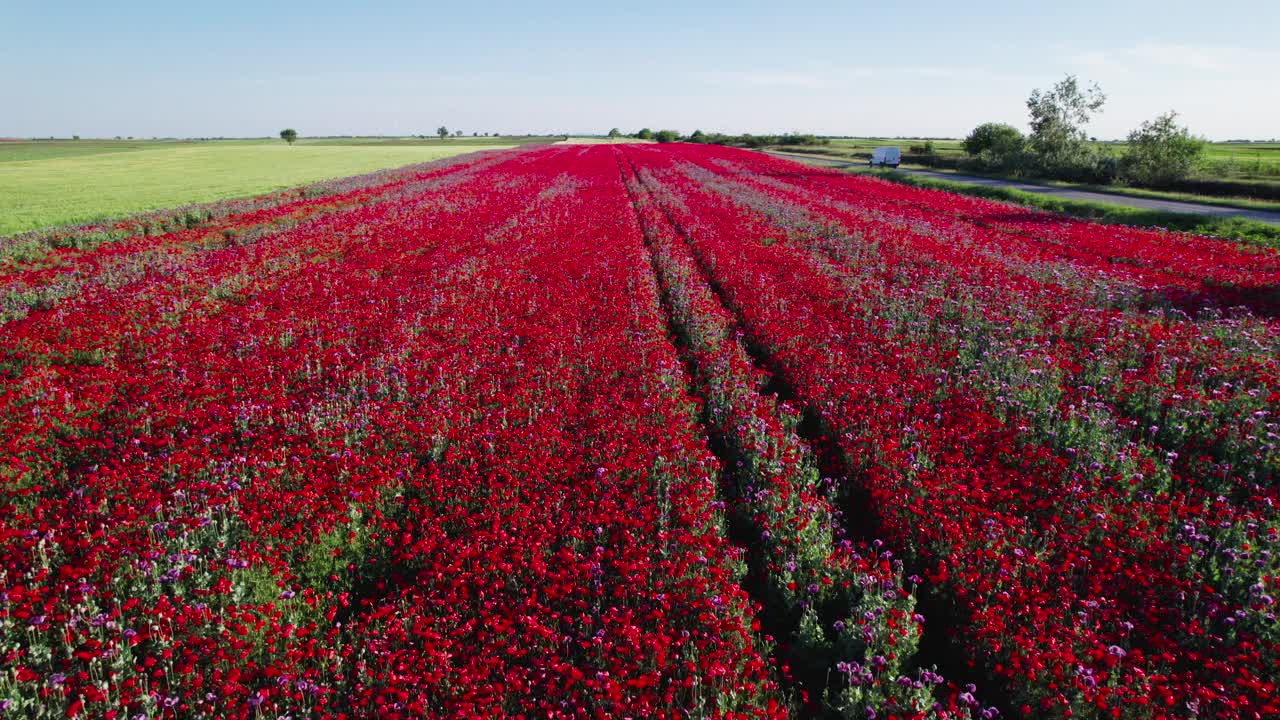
{"x":644,"y":134}
{"x":1058,"y":117}
{"x":443,"y":132}
{"x":666,"y":136}
{"x":289,"y":135}
{"x":1160,"y":152}
{"x":615,"y":133}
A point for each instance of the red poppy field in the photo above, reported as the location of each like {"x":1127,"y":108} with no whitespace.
{"x":636,"y":431}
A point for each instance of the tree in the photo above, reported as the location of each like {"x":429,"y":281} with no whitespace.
{"x":698,"y":137}
{"x":996,"y":145}
{"x":289,"y":135}
{"x":644,"y":134}
{"x":1160,"y":152}
{"x":443,"y":132}
{"x":615,"y":133}
{"x":666,"y":136}
{"x":458,"y":133}
{"x":1058,"y":117}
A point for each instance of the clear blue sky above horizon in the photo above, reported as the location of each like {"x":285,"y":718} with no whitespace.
{"x":236,"y":68}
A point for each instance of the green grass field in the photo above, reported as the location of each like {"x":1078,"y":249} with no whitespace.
{"x":45,"y":183}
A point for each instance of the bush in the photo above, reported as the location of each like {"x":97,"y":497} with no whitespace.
{"x":1087,"y":166}
{"x":1106,"y":169}
{"x":997,"y":146}
{"x":666,"y":136}
{"x":993,"y":136}
{"x":1161,"y":152}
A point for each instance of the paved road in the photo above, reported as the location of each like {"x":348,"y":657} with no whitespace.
{"x":1069,"y":194}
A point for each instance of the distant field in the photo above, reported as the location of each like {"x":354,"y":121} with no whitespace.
{"x":866,"y":145}
{"x":44,"y":183}
{"x":601,"y":141}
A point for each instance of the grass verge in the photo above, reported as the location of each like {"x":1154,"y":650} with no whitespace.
{"x":1246,"y":231}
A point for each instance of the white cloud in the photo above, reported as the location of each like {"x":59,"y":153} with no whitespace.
{"x":1157,"y":55}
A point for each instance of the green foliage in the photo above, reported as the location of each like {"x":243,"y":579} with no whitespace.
{"x":758,"y":141}
{"x":443,"y":132}
{"x":666,"y":136}
{"x":615,"y":133}
{"x":996,"y":146}
{"x":644,"y":134}
{"x":698,"y":137}
{"x":1161,"y":152}
{"x":288,"y":135}
{"x":1058,"y":146}
{"x":1058,"y":119}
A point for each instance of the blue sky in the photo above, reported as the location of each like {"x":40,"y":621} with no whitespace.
{"x":239,"y":68}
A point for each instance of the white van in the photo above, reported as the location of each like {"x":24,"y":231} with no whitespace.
{"x":887,"y":155}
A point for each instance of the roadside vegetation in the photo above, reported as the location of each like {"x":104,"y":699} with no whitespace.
{"x":1246,"y":231}
{"x":1160,"y":159}
{"x":1159,"y":155}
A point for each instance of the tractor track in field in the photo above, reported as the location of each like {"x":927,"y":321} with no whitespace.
{"x":776,"y":629}
{"x":937,"y":647}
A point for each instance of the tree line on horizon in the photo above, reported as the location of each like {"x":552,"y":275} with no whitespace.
{"x":743,"y":140}
{"x":1157,"y":153}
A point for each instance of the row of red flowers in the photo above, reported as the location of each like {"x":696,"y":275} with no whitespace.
{"x":1084,"y":590}
{"x":428,"y":454}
